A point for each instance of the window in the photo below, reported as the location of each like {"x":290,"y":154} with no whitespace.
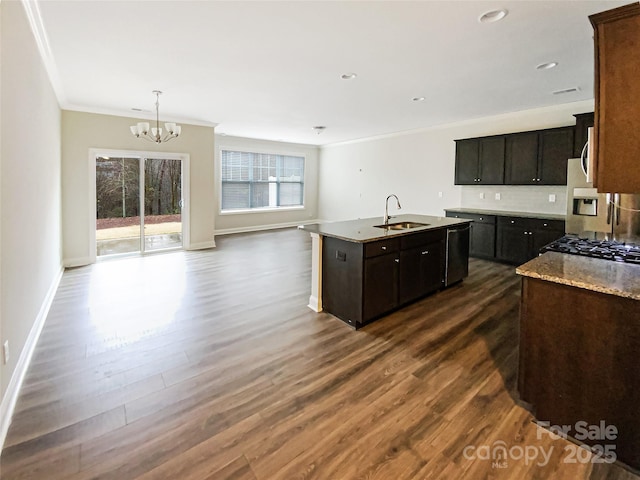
{"x":261,"y":180}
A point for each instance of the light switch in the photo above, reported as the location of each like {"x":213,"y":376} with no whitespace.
{"x":552,"y":197}
{"x":481,"y":195}
{"x":498,"y":196}
{"x":439,"y":194}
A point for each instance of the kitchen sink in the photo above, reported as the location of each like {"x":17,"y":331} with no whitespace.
{"x":401,"y":225}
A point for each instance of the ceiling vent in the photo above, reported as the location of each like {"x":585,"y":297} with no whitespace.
{"x":567,"y":90}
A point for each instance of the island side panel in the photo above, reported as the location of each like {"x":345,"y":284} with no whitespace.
{"x":579,"y":361}
{"x":315,"y":299}
{"x":342,"y":279}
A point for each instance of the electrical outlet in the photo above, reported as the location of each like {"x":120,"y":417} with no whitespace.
{"x":498,"y":196}
{"x":5,"y":352}
{"x":481,"y":195}
{"x":552,"y":197}
{"x":439,"y":194}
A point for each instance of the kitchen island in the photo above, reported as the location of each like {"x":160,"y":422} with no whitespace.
{"x":363,"y":269}
{"x":579,"y":344}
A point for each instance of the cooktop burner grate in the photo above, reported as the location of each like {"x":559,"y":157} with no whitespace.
{"x":605,"y":249}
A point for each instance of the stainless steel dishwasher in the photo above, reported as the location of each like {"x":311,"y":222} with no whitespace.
{"x":457,"y":257}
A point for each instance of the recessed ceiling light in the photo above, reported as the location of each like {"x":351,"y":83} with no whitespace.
{"x":418,"y":99}
{"x":547,"y":66}
{"x":348,"y":76}
{"x":319,"y":129}
{"x":493,"y":16}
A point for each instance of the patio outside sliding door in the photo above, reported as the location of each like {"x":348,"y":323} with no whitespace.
{"x":138,"y":205}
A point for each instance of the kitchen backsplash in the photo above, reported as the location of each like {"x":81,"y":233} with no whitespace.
{"x":516,"y":198}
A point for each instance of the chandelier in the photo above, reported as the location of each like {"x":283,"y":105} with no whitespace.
{"x":141,"y":130}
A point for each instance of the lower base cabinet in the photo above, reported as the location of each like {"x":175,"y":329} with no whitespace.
{"x":578,"y":362}
{"x":420,"y":271}
{"x":361,"y":282}
{"x":520,"y":239}
{"x":507,"y":238}
{"x":380,"y":285}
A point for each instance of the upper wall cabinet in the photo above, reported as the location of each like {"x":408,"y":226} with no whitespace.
{"x":539,"y":158}
{"x":480,"y":161}
{"x":616,"y":150}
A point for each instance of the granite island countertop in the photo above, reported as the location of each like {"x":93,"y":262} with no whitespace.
{"x":363,"y":230}
{"x":506,"y":213}
{"x":604,"y":276}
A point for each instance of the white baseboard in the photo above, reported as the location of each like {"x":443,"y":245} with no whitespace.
{"x":259,"y":228}
{"x":8,"y":403}
{"x":76,"y":262}
{"x":202,"y":245}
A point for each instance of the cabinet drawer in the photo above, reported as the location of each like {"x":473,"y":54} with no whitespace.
{"x":419,"y":239}
{"x":381,"y":247}
{"x":478,"y":218}
{"x":544,"y":224}
{"x":531,"y":223}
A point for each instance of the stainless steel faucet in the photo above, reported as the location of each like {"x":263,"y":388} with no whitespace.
{"x":386,"y":208}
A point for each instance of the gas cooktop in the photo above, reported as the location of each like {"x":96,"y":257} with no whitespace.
{"x":605,"y":249}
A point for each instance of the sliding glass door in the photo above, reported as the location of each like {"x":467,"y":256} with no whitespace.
{"x":162,"y":204}
{"x":138,"y":205}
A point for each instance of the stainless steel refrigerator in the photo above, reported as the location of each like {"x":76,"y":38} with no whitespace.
{"x":590,"y":214}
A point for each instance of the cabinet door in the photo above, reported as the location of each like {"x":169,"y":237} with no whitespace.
{"x":410,"y":275}
{"x":380,"y":285}
{"x":467,"y":156}
{"x":491,"y":162}
{"x":617,"y":90}
{"x":483,"y":240}
{"x":432,"y":266}
{"x":420,"y":271}
{"x":542,"y":237}
{"x":521,"y":162}
{"x":556,"y":147}
{"x":513,"y":244}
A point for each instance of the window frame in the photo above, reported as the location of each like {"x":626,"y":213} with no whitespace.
{"x":267,"y":209}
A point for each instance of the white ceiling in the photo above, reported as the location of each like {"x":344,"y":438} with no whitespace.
{"x":272,"y":70}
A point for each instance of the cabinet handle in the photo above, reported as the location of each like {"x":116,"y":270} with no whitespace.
{"x":397,"y":260}
{"x":426,"y":252}
{"x":545,"y":224}
{"x":534,"y":179}
{"x":513,"y":221}
{"x":481,"y":218}
{"x":383,"y":248}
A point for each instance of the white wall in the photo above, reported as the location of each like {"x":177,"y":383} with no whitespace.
{"x":82,"y":131}
{"x":237,"y":222}
{"x":356,"y":177}
{"x":30,"y":220}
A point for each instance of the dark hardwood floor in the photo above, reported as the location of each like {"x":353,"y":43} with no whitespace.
{"x":209,"y":365}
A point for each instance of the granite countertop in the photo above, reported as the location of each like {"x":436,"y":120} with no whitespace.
{"x":604,"y":276}
{"x":363,"y":230}
{"x":506,"y":213}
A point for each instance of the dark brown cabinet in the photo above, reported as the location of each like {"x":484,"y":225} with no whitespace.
{"x":593,"y":380}
{"x":538,"y":158}
{"x":380,"y":285}
{"x":507,"y":238}
{"x":420,"y":271}
{"x":480,"y":161}
{"x":363,"y":281}
{"x":482,"y":243}
{"x":520,"y":239}
{"x":617,"y":90}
